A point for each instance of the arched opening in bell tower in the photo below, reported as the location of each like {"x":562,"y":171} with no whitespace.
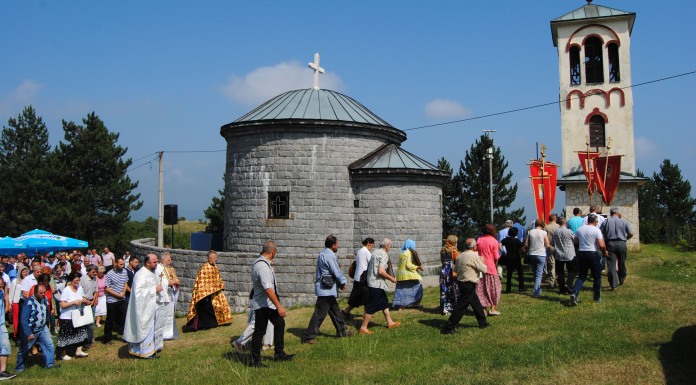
{"x":594,"y":69}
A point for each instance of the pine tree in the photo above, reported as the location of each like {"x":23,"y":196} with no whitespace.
{"x":451,"y":222}
{"x":650,"y":214}
{"x":26,"y":171}
{"x":215,"y":213}
{"x":100,"y":196}
{"x":473,"y":182}
{"x":674,"y":194}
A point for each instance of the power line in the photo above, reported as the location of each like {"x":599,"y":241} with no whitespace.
{"x":541,"y":105}
{"x":443,"y":123}
{"x":192,"y":151}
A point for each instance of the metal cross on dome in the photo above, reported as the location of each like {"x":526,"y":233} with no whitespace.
{"x":317,"y":70}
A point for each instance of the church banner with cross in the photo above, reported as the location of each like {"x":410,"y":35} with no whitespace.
{"x":586,"y":160}
{"x":544,"y":176}
{"x":607,"y":171}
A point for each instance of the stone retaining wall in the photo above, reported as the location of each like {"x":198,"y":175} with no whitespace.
{"x":295,"y":274}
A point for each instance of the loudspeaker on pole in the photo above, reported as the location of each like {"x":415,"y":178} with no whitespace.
{"x":171,"y":214}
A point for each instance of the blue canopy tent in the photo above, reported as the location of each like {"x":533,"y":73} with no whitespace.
{"x":41,"y":241}
{"x":9,"y":246}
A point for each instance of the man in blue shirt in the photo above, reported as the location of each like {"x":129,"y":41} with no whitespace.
{"x":328,"y":279}
{"x":576,"y":221}
{"x":521,"y":232}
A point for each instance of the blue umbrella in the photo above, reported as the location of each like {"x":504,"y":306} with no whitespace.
{"x":9,"y":245}
{"x":41,"y":241}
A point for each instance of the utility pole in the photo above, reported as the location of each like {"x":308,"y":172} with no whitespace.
{"x":490,"y":166}
{"x":160,"y":202}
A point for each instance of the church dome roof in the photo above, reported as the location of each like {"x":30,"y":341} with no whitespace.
{"x":313,"y":104}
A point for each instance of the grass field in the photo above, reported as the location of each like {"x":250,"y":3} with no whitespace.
{"x":642,"y":333}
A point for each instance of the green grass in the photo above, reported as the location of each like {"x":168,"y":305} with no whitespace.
{"x":643,"y":333}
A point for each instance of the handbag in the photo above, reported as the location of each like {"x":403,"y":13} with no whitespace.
{"x":351,"y":269}
{"x":327,"y":282}
{"x":82,"y":316}
{"x":390,"y":267}
{"x":414,"y":257}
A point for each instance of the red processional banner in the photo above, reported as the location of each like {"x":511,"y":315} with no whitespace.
{"x":586,"y":158}
{"x":543,"y":186}
{"x":607,"y":175}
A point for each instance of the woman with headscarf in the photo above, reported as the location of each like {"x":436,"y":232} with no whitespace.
{"x":489,"y":287}
{"x":448,"y":283}
{"x":409,"y":290}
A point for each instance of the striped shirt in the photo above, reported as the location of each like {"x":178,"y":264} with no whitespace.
{"x":116,"y":281}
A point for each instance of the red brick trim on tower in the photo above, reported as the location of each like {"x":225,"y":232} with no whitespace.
{"x":616,"y":36}
{"x":594,"y":112}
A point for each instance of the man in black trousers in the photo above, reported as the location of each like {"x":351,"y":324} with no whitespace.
{"x":468,"y":267}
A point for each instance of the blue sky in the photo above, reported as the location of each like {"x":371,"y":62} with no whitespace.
{"x":167,"y":74}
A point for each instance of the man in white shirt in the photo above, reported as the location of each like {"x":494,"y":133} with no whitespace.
{"x":31,"y":279}
{"x":108,"y":259}
{"x":600,"y":219}
{"x":589,"y":239}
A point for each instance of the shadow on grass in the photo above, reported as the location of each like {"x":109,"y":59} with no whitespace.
{"x":124,"y":354}
{"x":678,"y":356}
{"x":244,"y":359}
{"x":436,"y":323}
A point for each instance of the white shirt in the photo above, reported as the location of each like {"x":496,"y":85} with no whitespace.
{"x":600,"y":219}
{"x":6,"y":278}
{"x":69,"y":295}
{"x":587,"y":237}
{"x":361,"y":260}
{"x":537,"y":246}
{"x":108,"y":259}
{"x":28,"y":282}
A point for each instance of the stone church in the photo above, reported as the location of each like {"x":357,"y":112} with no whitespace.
{"x":594,"y":63}
{"x":313,"y":162}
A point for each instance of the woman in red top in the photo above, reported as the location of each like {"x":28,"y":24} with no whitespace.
{"x":489,"y":288}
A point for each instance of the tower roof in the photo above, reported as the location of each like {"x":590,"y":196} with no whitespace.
{"x":589,"y":12}
{"x":313,"y":104}
{"x":392,"y":159}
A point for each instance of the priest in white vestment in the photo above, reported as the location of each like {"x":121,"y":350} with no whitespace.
{"x":145,"y":317}
{"x":170,"y":284}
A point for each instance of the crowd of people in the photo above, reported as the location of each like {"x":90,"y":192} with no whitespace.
{"x":67,"y":295}
{"x":562,"y":250}
{"x":72,"y":294}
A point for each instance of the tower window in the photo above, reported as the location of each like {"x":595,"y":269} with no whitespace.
{"x":597,"y":132}
{"x":575,"y":76}
{"x":613,"y":53}
{"x":594,"y":70}
{"x":278,"y":205}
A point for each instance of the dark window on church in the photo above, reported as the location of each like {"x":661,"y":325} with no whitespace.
{"x":613,"y":53}
{"x":575,"y":76}
{"x":594,"y":70}
{"x":597,"y":133}
{"x":278,"y":205}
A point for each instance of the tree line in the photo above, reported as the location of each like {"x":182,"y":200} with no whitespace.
{"x":666,"y":207}
{"x":79,"y":188}
{"x":466,"y":195}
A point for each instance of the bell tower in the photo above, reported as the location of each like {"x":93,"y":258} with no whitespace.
{"x":594,"y":66}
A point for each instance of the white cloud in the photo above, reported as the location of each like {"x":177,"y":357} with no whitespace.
{"x":645,"y":147}
{"x":26,"y":91}
{"x":22,"y":95}
{"x":445,"y":108}
{"x":264,"y":83}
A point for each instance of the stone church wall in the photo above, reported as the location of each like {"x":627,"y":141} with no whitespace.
{"x":626,"y":199}
{"x":400,"y":208}
{"x":313,"y":167}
